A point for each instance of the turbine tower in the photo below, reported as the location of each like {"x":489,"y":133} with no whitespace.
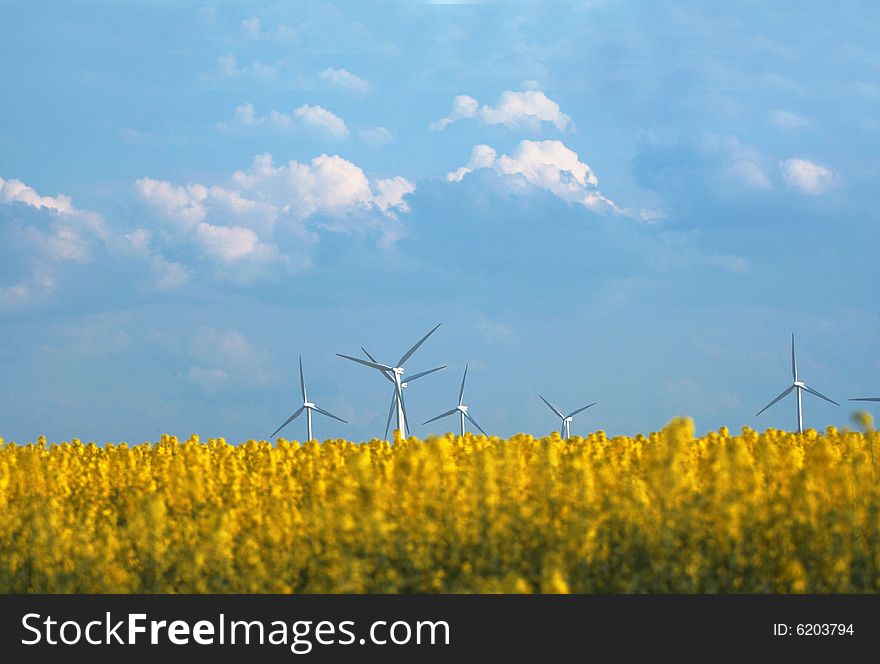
{"x":307,"y":406}
{"x":395,"y":373}
{"x":799,"y":386}
{"x":403,"y":386}
{"x":461,"y":409}
{"x":566,"y":419}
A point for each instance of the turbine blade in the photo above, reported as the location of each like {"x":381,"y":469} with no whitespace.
{"x":446,"y":414}
{"x":408,"y":354}
{"x":781,"y":396}
{"x":552,"y":407}
{"x":793,"y":361}
{"x":575,"y":412}
{"x":288,"y":420}
{"x":820,"y":395}
{"x":424,"y":373}
{"x":474,"y":422}
{"x":329,"y":414}
{"x":461,"y":391}
{"x":381,"y":367}
{"x":867,"y":399}
{"x":390,"y":412}
{"x":373,"y":359}
{"x":302,"y":380}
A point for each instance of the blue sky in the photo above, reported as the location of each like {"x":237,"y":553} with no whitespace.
{"x":629,"y":203}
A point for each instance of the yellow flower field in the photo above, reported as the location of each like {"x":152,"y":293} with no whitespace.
{"x":670,"y":512}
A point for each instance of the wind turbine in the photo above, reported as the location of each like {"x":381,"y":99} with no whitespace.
{"x":395,"y":373}
{"x":461,"y":409}
{"x":800,"y":387}
{"x":566,"y":419}
{"x":307,"y":406}
{"x":403,"y":386}
{"x":867,"y":399}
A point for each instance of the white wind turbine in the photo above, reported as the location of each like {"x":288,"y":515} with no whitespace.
{"x":566,"y":419}
{"x":461,"y":409}
{"x":307,"y":406}
{"x":403,"y":386}
{"x":800,"y":387}
{"x":395,"y":373}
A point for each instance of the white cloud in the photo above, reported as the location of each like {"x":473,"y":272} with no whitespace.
{"x":343,"y":79}
{"x":16,"y":191}
{"x":547,"y":165}
{"x":482,"y":156}
{"x":738,"y":162}
{"x":68,"y":244}
{"x":259,"y":215}
{"x":246,"y":114}
{"x":233,"y":243}
{"x":787,"y":119}
{"x":807,"y":176}
{"x":527,"y":109}
{"x":188,"y":208}
{"x":228,"y":67}
{"x":252,"y":28}
{"x":306,"y":116}
{"x":185,"y":205}
{"x":225,"y":356}
{"x":139,"y":239}
{"x":328,"y":185}
{"x":61,"y":233}
{"x":40,"y":282}
{"x":463,"y":106}
{"x":167,"y":275}
{"x":71,"y":231}
{"x":391,"y":193}
{"x":239,"y":222}
{"x":376,"y":137}
{"x":320,"y":118}
{"x":650,"y":215}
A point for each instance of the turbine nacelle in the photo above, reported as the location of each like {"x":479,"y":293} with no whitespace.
{"x":566,"y":419}
{"x":308,"y":407}
{"x":798,"y":387}
{"x":394,"y":373}
{"x":461,"y":409}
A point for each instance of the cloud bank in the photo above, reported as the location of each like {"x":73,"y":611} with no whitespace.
{"x":266,"y":217}
{"x":38,"y":234}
